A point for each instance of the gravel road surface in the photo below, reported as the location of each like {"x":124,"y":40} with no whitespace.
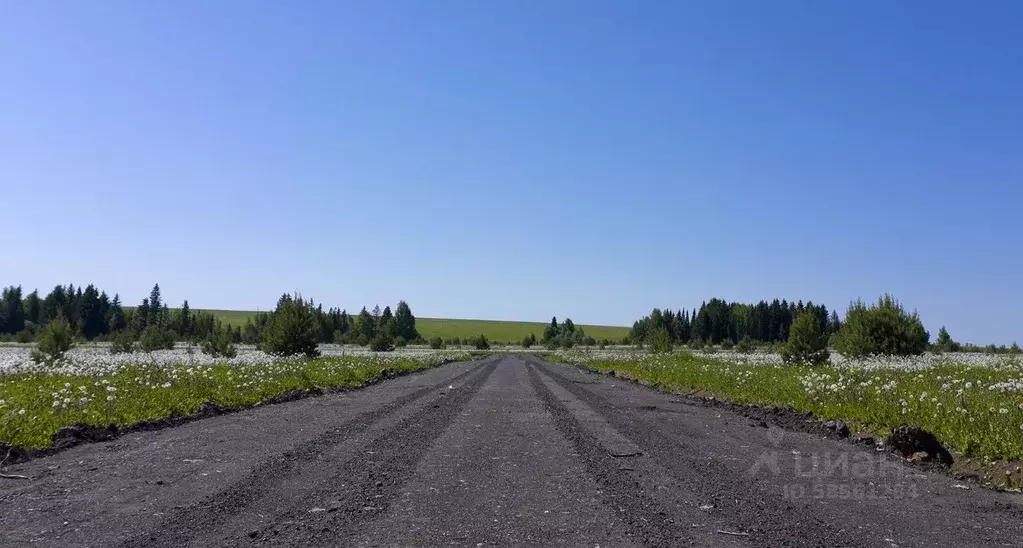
{"x":506,"y":451}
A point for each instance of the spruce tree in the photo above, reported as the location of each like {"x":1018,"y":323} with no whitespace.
{"x":405,"y":322}
{"x":32,"y":307}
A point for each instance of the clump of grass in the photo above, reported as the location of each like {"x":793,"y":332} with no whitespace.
{"x":34,"y":406}
{"x":975,"y":410}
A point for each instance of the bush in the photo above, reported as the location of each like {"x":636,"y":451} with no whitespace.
{"x":807,"y":345}
{"x":122,"y":342}
{"x":745,"y":346}
{"x":660,"y":341}
{"x":154,"y":337}
{"x":24,"y":336}
{"x":589,"y":341}
{"x":292,"y":329}
{"x":436,"y":343}
{"x":219,"y":344}
{"x":527,"y":342}
{"x":882,"y":329}
{"x":1014,"y":349}
{"x":54,"y":341}
{"x":381,"y":343}
{"x":727,"y":344}
{"x":400,"y":342}
{"x":696,"y":344}
{"x":479,"y":342}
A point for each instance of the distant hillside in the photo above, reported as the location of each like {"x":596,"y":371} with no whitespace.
{"x":495,"y":330}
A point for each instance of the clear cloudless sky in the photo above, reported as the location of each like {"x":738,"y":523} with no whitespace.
{"x":518,"y":160}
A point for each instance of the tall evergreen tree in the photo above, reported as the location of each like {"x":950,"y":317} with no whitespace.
{"x":551,"y":331}
{"x":32,"y":307}
{"x":184,"y":323}
{"x":142,"y":316}
{"x":12,"y":315}
{"x":405,"y":322}
{"x":366,"y":325}
{"x":156,"y":307}
{"x":90,"y":318}
{"x":115,"y":316}
{"x":386,"y":326}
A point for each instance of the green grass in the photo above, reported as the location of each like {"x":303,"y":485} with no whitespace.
{"x":494,"y":330}
{"x":34,"y":406}
{"x":504,"y":331}
{"x":955,"y":402}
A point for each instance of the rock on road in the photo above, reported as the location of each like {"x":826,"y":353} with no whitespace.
{"x":506,"y":451}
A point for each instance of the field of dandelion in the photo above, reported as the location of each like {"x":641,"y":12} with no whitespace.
{"x":972,"y":402}
{"x":92,"y":386}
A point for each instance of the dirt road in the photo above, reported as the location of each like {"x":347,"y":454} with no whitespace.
{"x":507,"y":451}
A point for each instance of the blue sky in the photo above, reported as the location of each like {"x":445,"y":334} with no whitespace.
{"x":515,"y":160}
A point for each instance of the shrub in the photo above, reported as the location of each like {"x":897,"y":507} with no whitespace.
{"x":24,"y":336}
{"x":154,"y":337}
{"x":696,"y":344}
{"x":292,"y":329}
{"x":219,"y":344}
{"x":1014,"y":349}
{"x":122,"y":342}
{"x":807,"y":345}
{"x":745,"y":346}
{"x":881,"y":329}
{"x":400,"y":342}
{"x":527,"y":342}
{"x":54,"y":341}
{"x":589,"y":341}
{"x":479,"y":342}
{"x":362,"y":340}
{"x":436,"y":343}
{"x":381,"y":343}
{"x":727,"y":344}
{"x":660,"y":341}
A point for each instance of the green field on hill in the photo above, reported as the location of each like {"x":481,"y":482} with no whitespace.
{"x":495,"y":330}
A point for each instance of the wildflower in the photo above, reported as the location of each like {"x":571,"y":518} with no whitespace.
{"x":22,"y":412}
{"x":110,"y":398}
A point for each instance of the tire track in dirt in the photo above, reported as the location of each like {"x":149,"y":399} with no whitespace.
{"x":274,"y":475}
{"x":632,"y":496}
{"x":769,"y":520}
{"x":360,"y":489}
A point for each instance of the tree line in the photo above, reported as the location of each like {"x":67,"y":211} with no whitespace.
{"x":718,"y":321}
{"x":804,"y":332}
{"x":92,"y":315}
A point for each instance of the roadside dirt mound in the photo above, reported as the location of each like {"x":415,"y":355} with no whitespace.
{"x":918,"y":445}
{"x":78,"y":433}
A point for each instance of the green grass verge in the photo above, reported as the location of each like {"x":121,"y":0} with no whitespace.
{"x":34,"y":406}
{"x":975,"y":410}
